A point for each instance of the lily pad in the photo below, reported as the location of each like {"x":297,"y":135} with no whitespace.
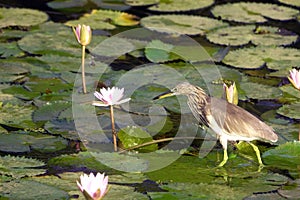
{"x":18,"y":167}
{"x":11,"y":73}
{"x":291,"y":2}
{"x":19,"y":190}
{"x":141,"y":2}
{"x":132,"y":136}
{"x":291,"y":110}
{"x":242,"y":35}
{"x":50,"y":111}
{"x":21,"y":17}
{"x":181,"y":24}
{"x":291,"y":90}
{"x":249,"y":12}
{"x":105,"y":19}
{"x":175,"y":5}
{"x":276,"y":58}
{"x":10,"y":49}
{"x":62,"y":127}
{"x":16,"y":116}
{"x":261,"y":91}
{"x":75,"y":162}
{"x":285,"y":156}
{"x":68,"y":5}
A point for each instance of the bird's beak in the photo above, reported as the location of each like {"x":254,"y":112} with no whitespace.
{"x":164,"y":95}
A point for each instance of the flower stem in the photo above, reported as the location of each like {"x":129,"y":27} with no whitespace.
{"x":114,"y":133}
{"x":82,"y":69}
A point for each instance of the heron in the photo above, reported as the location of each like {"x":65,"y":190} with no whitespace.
{"x":229,"y":121}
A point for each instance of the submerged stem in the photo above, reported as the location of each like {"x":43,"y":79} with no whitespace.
{"x":83,"y":69}
{"x":114,"y":133}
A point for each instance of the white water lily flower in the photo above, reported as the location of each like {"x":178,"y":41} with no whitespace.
{"x":110,"y":96}
{"x":93,"y":187}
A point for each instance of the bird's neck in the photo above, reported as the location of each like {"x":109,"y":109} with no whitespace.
{"x":197,"y":102}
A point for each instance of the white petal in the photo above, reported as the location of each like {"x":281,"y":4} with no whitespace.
{"x":99,"y":103}
{"x":123,"y":101}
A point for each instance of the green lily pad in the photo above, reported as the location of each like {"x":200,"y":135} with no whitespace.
{"x":291,"y":2}
{"x":291,"y":90}
{"x":21,"y":143}
{"x":242,"y":35}
{"x":21,"y":17}
{"x":261,"y":91}
{"x":105,"y":19}
{"x":19,"y":190}
{"x":291,"y":110}
{"x":132,"y":136}
{"x":17,"y":143}
{"x":141,"y":2}
{"x":157,"y":51}
{"x":62,"y":127}
{"x":285,"y":156}
{"x":181,"y":24}
{"x":18,"y":167}
{"x":50,"y":111}
{"x":172,"y":5}
{"x":11,"y":73}
{"x":10,"y":49}
{"x":82,"y":160}
{"x":249,"y":12}
{"x":68,"y":5}
{"x":16,"y":116}
{"x":276,"y":58}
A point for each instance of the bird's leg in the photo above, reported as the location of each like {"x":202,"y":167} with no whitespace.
{"x":223,"y":141}
{"x":255,"y":148}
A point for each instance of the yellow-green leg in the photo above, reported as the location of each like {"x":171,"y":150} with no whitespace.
{"x":255,"y":148}
{"x":225,"y":158}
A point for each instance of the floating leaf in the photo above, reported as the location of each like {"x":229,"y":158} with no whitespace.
{"x":10,"y":72}
{"x":285,"y":156}
{"x":18,"y":167}
{"x":132,"y":136}
{"x":50,"y":111}
{"x":141,"y":2}
{"x":63,"y":127}
{"x":16,"y":143}
{"x":16,"y":116}
{"x":19,"y":190}
{"x":261,"y":91}
{"x":291,"y":2}
{"x":177,"y":5}
{"x":68,"y":5}
{"x":21,"y":17}
{"x":157,"y":51}
{"x":82,"y":160}
{"x":242,"y":35}
{"x":277,"y":58}
{"x":291,"y":90}
{"x":105,"y":19}
{"x":10,"y":49}
{"x":291,"y":110}
{"x":249,"y":12}
{"x":181,"y":24}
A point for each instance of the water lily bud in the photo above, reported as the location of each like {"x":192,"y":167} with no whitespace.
{"x":231,"y":93}
{"x":83,"y":34}
{"x":295,"y":78}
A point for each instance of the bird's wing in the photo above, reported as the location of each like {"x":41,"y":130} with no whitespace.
{"x":238,"y":122}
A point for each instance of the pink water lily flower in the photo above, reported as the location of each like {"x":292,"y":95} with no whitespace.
{"x":110,"y":96}
{"x":295,"y":78}
{"x":93,"y":187}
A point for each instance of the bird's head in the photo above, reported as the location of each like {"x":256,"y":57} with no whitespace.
{"x":184,"y":88}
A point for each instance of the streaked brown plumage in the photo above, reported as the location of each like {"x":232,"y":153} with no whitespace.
{"x":228,"y":121}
